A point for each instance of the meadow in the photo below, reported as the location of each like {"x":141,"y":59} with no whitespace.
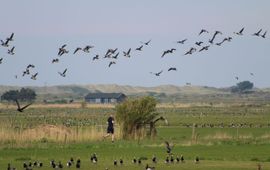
{"x":223,"y":137}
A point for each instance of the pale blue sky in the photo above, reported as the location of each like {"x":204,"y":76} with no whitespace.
{"x":41,"y":27}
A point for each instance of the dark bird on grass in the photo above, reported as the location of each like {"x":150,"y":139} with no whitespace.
{"x":11,"y":51}
{"x":53,"y":164}
{"x":78,"y":164}
{"x":11,"y":37}
{"x":168,"y":147}
{"x":93,"y":158}
{"x":4,"y":43}
{"x":77,"y":49}
{"x":203,"y":31}
{"x":257,"y":33}
{"x":204,"y":48}
{"x":181,"y":41}
{"x":87,"y":48}
{"x":177,"y":159}
{"x":115,"y":56}
{"x":115,"y":162}
{"x":134,"y":160}
{"x":146,"y":43}
{"x":190,"y":51}
{"x":40,"y":164}
{"x":63,"y":74}
{"x":121,"y":161}
{"x":19,"y":108}
{"x":154,"y":159}
{"x":34,"y":77}
{"x":172,"y":69}
{"x":111,"y":63}
{"x":55,"y":60}
{"x":149,"y":167}
{"x":25,"y":165}
{"x":10,"y":168}
{"x":62,"y":50}
{"x":69,"y":163}
{"x":167,"y":160}
{"x":240,"y":32}
{"x":199,"y":43}
{"x":197,"y":160}
{"x":264,"y":34}
{"x":168,"y":51}
{"x":127,"y":54}
{"x":1,"y":60}
{"x":60,"y":165}
{"x":157,"y":74}
{"x":139,"y":48}
{"x":172,"y":159}
{"x":96,"y":57}
{"x":30,"y":66}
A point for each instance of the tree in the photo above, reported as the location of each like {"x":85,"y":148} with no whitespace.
{"x":242,"y":87}
{"x":134,"y":114}
{"x":25,"y":94}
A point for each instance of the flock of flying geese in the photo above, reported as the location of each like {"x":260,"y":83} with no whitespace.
{"x":170,"y":159}
{"x":113,"y":54}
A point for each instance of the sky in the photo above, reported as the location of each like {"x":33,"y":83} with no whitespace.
{"x":41,"y":27}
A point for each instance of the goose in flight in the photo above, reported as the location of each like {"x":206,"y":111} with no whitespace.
{"x":264,"y":34}
{"x":127,"y":54}
{"x":157,"y":74}
{"x":252,"y":74}
{"x":139,"y":48}
{"x":11,"y":51}
{"x":146,"y":43}
{"x":63,"y":74}
{"x":4,"y":43}
{"x":96,"y":57}
{"x":214,"y":36}
{"x":168,"y":51}
{"x":62,"y":50}
{"x":190,"y":51}
{"x":257,"y":33}
{"x":111,"y":63}
{"x":115,"y":56}
{"x":240,"y":32}
{"x":199,"y":43}
{"x":30,"y":66}
{"x":26,"y":72}
{"x":87,"y":48}
{"x":19,"y":108}
{"x":149,"y":167}
{"x":11,"y":37}
{"x":34,"y":77}
{"x":204,"y":48}
{"x":181,"y":41}
{"x":172,"y":69}
{"x":77,"y":49}
{"x":202,"y":31}
{"x":236,"y":77}
{"x":55,"y":60}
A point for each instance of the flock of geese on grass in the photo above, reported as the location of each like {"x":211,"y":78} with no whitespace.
{"x":113,"y":54}
{"x":170,"y":159}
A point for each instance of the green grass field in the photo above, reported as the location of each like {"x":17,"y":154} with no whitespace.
{"x":232,"y":138}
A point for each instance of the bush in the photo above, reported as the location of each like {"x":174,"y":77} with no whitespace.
{"x":134,"y":114}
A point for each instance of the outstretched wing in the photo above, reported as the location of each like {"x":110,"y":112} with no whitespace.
{"x":18,"y":104}
{"x":26,"y":106}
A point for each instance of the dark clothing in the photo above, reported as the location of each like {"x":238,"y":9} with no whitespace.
{"x":110,"y":128}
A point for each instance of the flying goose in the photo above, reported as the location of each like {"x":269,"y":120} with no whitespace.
{"x":77,"y":49}
{"x":63,"y":74}
{"x":214,"y":36}
{"x":263,"y":36}
{"x":96,"y":57}
{"x":157,"y":74}
{"x":4,"y":44}
{"x":172,"y":69}
{"x":127,"y":54}
{"x":11,"y":51}
{"x":115,"y":56}
{"x":167,"y":51}
{"x":87,"y":48}
{"x":257,"y":33}
{"x":181,"y":41}
{"x":111,"y":63}
{"x":190,"y":51}
{"x":146,"y":43}
{"x":204,"y":48}
{"x":19,"y":108}
{"x":202,"y":31}
{"x":55,"y":60}
{"x":240,"y":32}
{"x":34,"y":77}
{"x":62,"y":50}
{"x":139,"y":48}
{"x":198,"y":43}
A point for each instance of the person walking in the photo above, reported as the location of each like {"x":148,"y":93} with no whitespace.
{"x":110,"y":128}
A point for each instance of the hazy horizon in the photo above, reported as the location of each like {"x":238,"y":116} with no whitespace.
{"x":42,"y":27}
